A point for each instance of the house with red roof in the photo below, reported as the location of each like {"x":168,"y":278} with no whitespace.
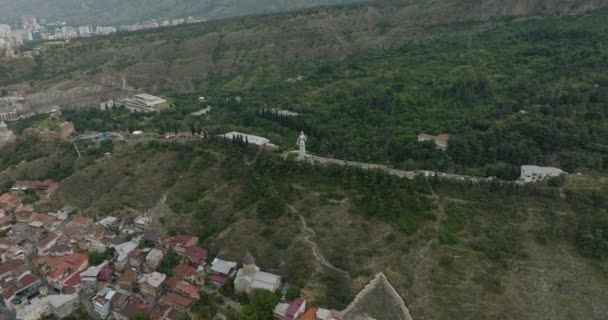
{"x":137,"y":257}
{"x":105,"y":273}
{"x":182,"y":287}
{"x":59,"y":269}
{"x":185,"y":272}
{"x":127,"y":279}
{"x":176,"y":301}
{"x":15,"y":290}
{"x":6,"y":222}
{"x":9,"y":201}
{"x":196,"y":255}
{"x":47,"y":243}
{"x":180,"y":243}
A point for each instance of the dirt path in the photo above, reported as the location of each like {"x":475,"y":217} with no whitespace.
{"x":310,"y":233}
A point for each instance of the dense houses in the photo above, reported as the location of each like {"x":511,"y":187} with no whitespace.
{"x":52,"y":262}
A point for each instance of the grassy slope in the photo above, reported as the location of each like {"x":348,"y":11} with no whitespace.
{"x":436,"y":269}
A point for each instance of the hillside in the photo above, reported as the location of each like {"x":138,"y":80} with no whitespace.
{"x":114,"y":12}
{"x":452,"y":251}
{"x":174,"y":58}
{"x":528,"y":92}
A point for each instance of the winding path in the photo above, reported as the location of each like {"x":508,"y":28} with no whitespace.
{"x":310,"y":233}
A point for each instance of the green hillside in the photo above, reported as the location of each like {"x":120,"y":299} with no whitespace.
{"x":531,"y":92}
{"x":452,"y":250}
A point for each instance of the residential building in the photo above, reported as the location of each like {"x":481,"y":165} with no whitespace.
{"x":296,"y":309}
{"x":128,"y":279}
{"x":185,"y":272}
{"x":531,"y":173}
{"x":64,"y":213}
{"x":9,"y":201}
{"x":58,"y":270}
{"x":182,"y":287}
{"x":180,"y":243}
{"x":196,"y":255}
{"x":153,"y":259}
{"x":102,"y":302}
{"x":151,"y":284}
{"x":45,"y":244}
{"x":122,"y":253}
{"x":176,"y":301}
{"x":137,"y":257}
{"x":221,"y":270}
{"x":57,"y":305}
{"x":250,"y":277}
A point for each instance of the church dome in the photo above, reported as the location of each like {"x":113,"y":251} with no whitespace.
{"x":248,"y":259}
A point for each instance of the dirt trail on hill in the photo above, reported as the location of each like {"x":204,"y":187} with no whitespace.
{"x":310,"y":233}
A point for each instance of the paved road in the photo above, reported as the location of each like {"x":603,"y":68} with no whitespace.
{"x":399,"y":173}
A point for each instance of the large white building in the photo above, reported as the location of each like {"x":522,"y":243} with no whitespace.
{"x":143,"y":102}
{"x":531,"y":173}
{"x":58,"y":305}
{"x":249,"y":138}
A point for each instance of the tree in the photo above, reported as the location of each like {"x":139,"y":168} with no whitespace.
{"x":139,"y":316}
{"x":293,"y":292}
{"x":260,"y":307}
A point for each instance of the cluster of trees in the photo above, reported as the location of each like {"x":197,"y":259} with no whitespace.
{"x":510,"y":96}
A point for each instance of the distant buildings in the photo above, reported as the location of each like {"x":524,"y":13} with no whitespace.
{"x":531,"y":173}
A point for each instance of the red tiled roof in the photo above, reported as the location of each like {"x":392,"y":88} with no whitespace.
{"x":28,"y":280}
{"x":6,"y":220}
{"x":175,"y":298}
{"x":11,"y":265}
{"x":73,"y":280}
{"x":185,"y":240}
{"x":184,"y":270}
{"x":181,"y":286}
{"x":310,"y":314}
{"x":219,"y":278}
{"x":128,"y":276}
{"x":136,"y":253}
{"x":196,"y":254}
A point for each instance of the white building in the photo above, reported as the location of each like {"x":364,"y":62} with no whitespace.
{"x":249,"y":138}
{"x":143,"y":102}
{"x":84,"y":31}
{"x":531,"y":173}
{"x":58,"y":305}
{"x":102,"y":302}
{"x":122,"y":251}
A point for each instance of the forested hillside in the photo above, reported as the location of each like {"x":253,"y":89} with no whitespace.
{"x":532,"y":92}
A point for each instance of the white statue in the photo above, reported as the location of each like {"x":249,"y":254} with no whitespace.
{"x":302,"y":146}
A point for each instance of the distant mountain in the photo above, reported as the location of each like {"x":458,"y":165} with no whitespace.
{"x":108,"y":12}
